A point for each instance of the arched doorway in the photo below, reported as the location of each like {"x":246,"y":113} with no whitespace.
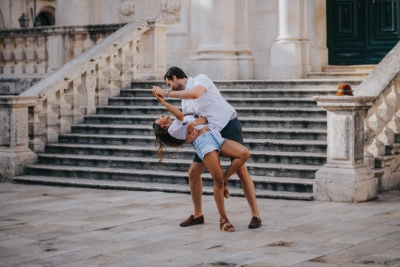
{"x":46,"y":17}
{"x":361,"y":31}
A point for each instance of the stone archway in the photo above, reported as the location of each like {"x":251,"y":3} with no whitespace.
{"x":46,"y":17}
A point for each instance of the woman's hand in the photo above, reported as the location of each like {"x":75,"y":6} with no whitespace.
{"x":190,"y":127}
{"x":158,"y":91}
{"x":160,"y":98}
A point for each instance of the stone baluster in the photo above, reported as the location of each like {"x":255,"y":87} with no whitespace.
{"x":19,"y":55}
{"x":30,"y":55}
{"x":89,"y":87}
{"x":124,"y":64}
{"x":112,"y":74}
{"x":14,"y":151}
{"x":65,"y":106}
{"x":136,"y":60}
{"x":41,"y":53}
{"x":67,"y":54}
{"x":37,"y":128}
{"x":78,"y":45}
{"x":102,"y":94}
{"x":49,"y":116}
{"x":2,"y":61}
{"x":345,"y":177}
{"x":54,"y":50}
{"x":8,"y":55}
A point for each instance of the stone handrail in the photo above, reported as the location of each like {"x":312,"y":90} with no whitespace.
{"x":43,"y":50}
{"x":361,"y":133}
{"x":50,"y":107}
{"x":82,"y":84}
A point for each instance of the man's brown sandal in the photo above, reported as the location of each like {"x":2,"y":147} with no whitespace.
{"x":192,"y":221}
{"x":255,"y":222}
{"x":226,"y":226}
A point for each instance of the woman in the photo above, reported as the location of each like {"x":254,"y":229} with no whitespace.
{"x":207,"y":144}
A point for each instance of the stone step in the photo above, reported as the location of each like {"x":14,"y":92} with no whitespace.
{"x":259,"y":122}
{"x":273,"y":157}
{"x":241,"y":111}
{"x":250,"y":93}
{"x":138,"y":186}
{"x":348,"y":68}
{"x":313,"y":146}
{"x":340,"y":74}
{"x":235,"y":102}
{"x":268,"y":133}
{"x":140,"y":163}
{"x":264,"y":84}
{"x":275,"y":183}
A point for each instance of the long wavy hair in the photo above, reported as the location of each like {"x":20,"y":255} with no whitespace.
{"x":164,"y":139}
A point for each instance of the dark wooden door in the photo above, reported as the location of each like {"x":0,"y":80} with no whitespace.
{"x":361,"y":31}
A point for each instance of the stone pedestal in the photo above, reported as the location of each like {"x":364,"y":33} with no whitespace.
{"x":14,"y":151}
{"x":153,"y":46}
{"x":345,"y":177}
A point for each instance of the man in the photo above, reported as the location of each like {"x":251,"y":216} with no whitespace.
{"x":200,"y":96}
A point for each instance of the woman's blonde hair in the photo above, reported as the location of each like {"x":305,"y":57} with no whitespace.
{"x":164,"y":139}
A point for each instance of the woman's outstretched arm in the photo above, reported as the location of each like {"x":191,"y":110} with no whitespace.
{"x":174,"y":110}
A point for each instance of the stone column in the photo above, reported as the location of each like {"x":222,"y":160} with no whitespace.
{"x":14,"y":151}
{"x":217,"y":49}
{"x":289,"y":54}
{"x":345,"y":177}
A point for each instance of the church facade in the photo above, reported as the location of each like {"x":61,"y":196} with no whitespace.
{"x":240,"y":39}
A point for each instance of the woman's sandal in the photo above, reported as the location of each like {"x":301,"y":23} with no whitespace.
{"x":226,"y":191}
{"x":226,"y":226}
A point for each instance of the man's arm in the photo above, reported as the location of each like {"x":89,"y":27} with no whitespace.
{"x":195,"y":93}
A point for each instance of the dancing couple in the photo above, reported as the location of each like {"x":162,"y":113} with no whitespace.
{"x":210,"y":123}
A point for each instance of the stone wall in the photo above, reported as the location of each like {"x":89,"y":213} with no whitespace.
{"x":16,"y":85}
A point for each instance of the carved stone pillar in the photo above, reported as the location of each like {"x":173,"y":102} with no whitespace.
{"x":289,"y":54}
{"x":161,"y":14}
{"x":345,"y":177}
{"x":217,"y":51}
{"x":14,"y":151}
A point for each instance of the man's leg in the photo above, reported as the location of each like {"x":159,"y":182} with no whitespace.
{"x":248,"y":190}
{"x":196,"y":186}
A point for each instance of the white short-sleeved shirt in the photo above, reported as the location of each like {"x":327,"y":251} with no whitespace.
{"x":211,"y":104}
{"x":178,"y":128}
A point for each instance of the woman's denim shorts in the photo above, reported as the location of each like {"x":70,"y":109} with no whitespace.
{"x":206,"y":143}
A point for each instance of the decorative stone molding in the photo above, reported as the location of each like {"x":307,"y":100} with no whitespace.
{"x":162,"y":11}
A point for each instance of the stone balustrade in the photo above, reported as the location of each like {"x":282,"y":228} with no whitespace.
{"x":45,"y":49}
{"x":51,"y":106}
{"x":363,"y":158}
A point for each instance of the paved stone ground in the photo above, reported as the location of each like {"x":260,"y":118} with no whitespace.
{"x":54,"y":226}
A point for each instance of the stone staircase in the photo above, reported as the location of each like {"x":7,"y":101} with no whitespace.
{"x":114,"y":149}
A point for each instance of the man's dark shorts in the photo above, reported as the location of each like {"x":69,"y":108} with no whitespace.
{"x":232,"y":131}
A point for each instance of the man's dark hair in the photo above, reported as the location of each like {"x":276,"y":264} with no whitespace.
{"x":174,"y":71}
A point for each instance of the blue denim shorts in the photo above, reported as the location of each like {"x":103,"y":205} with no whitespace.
{"x":206,"y":143}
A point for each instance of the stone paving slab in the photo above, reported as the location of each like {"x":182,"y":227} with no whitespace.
{"x":58,"y":226}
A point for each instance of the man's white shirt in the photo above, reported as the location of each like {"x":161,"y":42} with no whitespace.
{"x":211,"y":104}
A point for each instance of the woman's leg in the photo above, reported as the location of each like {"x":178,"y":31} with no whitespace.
{"x":211,"y":160}
{"x":235,"y":151}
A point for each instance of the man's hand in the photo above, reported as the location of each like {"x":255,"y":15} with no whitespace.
{"x":190,"y":137}
{"x":158,"y":91}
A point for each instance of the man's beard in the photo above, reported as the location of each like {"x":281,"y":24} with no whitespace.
{"x":179,"y":87}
